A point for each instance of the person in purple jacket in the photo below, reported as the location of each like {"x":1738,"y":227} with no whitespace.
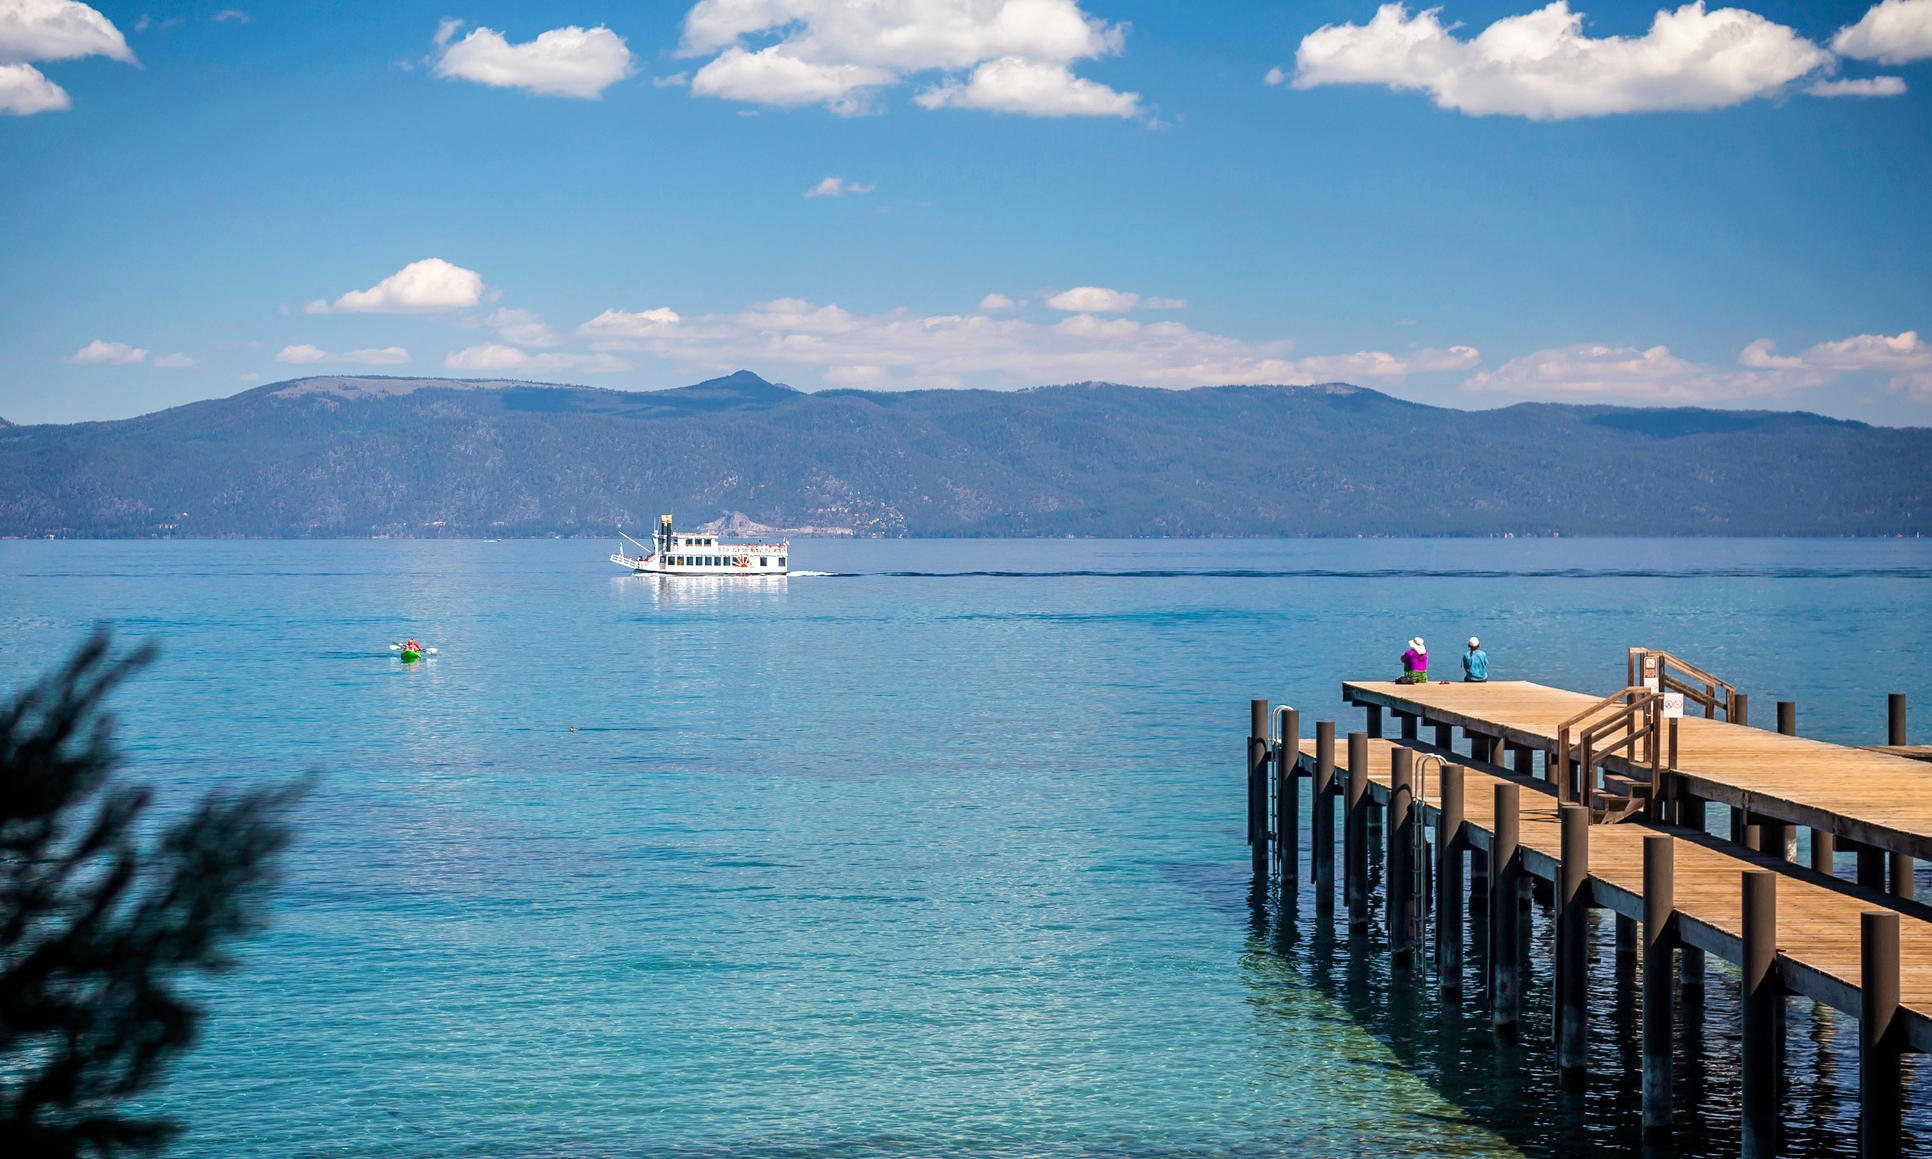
{"x":1415,"y":663}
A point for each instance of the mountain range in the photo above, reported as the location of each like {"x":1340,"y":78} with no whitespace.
{"x":363,"y":456}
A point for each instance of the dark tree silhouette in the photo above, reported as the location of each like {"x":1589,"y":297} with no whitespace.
{"x":97,"y":922}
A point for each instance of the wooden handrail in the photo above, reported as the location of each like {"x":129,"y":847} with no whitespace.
{"x":1629,"y":704}
{"x":1707,"y":696}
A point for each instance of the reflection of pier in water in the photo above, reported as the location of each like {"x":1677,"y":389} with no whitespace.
{"x":1646,"y":1048}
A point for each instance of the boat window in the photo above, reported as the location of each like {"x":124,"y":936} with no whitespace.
{"x":781,"y":561}
{"x":763,"y":561}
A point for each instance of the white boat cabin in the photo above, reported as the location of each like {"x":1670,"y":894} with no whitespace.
{"x":673,"y":552}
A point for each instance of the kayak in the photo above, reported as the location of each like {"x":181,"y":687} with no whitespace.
{"x":410,"y":655}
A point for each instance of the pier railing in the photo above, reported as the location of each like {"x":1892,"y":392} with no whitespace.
{"x":1637,"y":712}
{"x":1698,"y":686}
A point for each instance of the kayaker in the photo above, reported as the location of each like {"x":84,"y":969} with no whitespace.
{"x":1475,"y":663}
{"x":412,"y":646}
{"x":1415,"y":663}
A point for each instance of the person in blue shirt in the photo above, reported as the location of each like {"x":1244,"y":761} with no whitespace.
{"x":1475,"y":663}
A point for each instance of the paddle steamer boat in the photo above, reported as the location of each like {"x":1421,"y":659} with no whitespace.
{"x":673,"y":552}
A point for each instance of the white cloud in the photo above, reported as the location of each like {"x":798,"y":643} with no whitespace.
{"x":563,"y":62}
{"x":1894,"y":32}
{"x":1878,"y":86}
{"x":1016,"y":53}
{"x":522,"y":327}
{"x":1041,"y":89}
{"x":833,"y":187}
{"x":493,"y":356}
{"x":427,"y":287}
{"x":996,"y":302}
{"x":40,"y":30}
{"x":1905,"y":357}
{"x":231,"y":16}
{"x":1658,"y":376}
{"x":98,"y":353}
{"x":174,"y":361}
{"x":900,"y":349}
{"x":1541,"y":66}
{"x":307,"y":355}
{"x":1094,"y":300}
{"x":24,"y":92}
{"x":675,"y":80}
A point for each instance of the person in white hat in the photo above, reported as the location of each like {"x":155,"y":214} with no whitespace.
{"x":1415,"y":663}
{"x":1475,"y":663}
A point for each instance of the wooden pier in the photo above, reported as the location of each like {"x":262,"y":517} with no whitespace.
{"x":1621,"y":826}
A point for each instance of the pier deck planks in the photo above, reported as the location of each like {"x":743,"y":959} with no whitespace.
{"x":1818,"y":934}
{"x":1862,"y":794}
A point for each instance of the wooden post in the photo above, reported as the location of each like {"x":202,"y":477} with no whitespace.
{"x":1871,"y":866}
{"x":1788,"y":717}
{"x":1355,"y":835}
{"x":1408,"y":725}
{"x":1373,"y":712}
{"x":1740,"y":710}
{"x":1823,"y":846}
{"x":1288,"y":797}
{"x":1258,"y":786}
{"x":1901,"y":874}
{"x":1659,"y":934}
{"x":1762,"y":995}
{"x":1525,"y":761}
{"x":1400,"y":858}
{"x":1445,"y":736}
{"x":1572,"y":973}
{"x":1505,"y":887}
{"x":1449,"y":847}
{"x":1895,"y":719}
{"x":1321,"y":837}
{"x":1878,"y":1047}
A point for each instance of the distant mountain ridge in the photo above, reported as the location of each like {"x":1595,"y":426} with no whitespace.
{"x":371,"y":455}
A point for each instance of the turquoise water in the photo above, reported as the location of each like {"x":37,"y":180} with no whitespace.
{"x":941,"y":854}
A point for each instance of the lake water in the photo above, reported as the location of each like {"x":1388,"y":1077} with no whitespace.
{"x":939,"y":855}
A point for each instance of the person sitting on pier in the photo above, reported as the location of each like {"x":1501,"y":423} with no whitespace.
{"x":1415,"y":663}
{"x":1475,"y":663}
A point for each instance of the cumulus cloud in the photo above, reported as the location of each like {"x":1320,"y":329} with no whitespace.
{"x":174,"y":361}
{"x":1540,"y":65}
{"x":1658,"y":376}
{"x":427,"y":287}
{"x":43,"y":30}
{"x":492,"y":356}
{"x":1016,"y":55}
{"x":834,"y":187}
{"x":305,"y":354}
{"x":1094,"y":300}
{"x":901,"y":349}
{"x":99,"y":353}
{"x":1878,"y":86}
{"x":563,"y":62}
{"x":996,"y":302}
{"x":1894,"y":32}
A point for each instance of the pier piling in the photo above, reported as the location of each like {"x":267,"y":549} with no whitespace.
{"x":1321,"y":836}
{"x":1878,"y":1049}
{"x":1288,"y":798}
{"x":1895,"y":719}
{"x":1258,"y":785}
{"x":1355,"y":835}
{"x":1572,"y":973}
{"x":1505,"y":888}
{"x":1762,"y":994}
{"x":1659,"y":935}
{"x":1788,"y":717}
{"x":1400,"y":859}
{"x":1449,"y":887}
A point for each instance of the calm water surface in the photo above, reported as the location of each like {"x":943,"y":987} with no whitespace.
{"x":937,"y":855}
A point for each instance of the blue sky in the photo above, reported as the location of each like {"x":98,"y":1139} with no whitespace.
{"x":1587,"y":204}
